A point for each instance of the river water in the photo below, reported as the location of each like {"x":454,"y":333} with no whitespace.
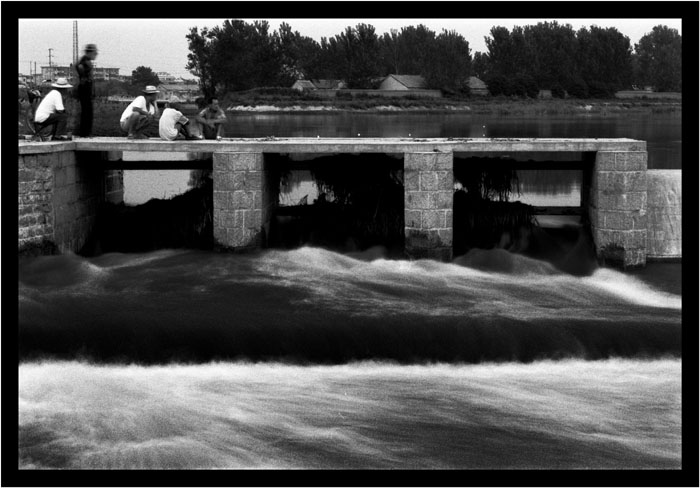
{"x":661,"y":131}
{"x":312,"y":359}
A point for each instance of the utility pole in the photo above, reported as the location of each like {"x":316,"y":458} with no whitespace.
{"x":50,"y":65}
{"x":75,"y":49}
{"x":75,"y":42}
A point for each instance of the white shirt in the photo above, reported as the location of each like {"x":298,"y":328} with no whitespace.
{"x":166,"y":124}
{"x":51,"y":103}
{"x":139,"y":102}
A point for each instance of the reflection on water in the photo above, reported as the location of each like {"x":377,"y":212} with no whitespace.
{"x":662,"y":132}
{"x":314,"y":359}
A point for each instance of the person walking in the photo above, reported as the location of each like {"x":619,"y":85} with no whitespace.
{"x":86,"y":89}
{"x":140,"y":113}
{"x":51,"y":112}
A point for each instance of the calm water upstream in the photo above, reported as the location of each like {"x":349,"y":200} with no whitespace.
{"x":661,"y":131}
{"x":309,"y":358}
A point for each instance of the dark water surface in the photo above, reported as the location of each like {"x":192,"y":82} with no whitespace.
{"x":314,"y":359}
{"x":661,"y":131}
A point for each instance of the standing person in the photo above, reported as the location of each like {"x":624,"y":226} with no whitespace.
{"x":52,"y":113}
{"x":139,"y":114}
{"x":212,"y":120}
{"x":86,"y":90}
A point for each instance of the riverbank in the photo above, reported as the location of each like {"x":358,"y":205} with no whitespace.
{"x":107,"y":114}
{"x":495,"y":105}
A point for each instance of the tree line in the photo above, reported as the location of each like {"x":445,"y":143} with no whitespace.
{"x":592,"y":61}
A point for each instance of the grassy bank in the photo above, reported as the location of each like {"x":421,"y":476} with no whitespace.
{"x":496,"y":105}
{"x":284,"y":100}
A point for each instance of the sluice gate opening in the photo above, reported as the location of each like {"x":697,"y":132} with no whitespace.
{"x":342,"y":202}
{"x":526,"y":203}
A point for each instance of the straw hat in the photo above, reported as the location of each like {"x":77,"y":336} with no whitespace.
{"x":150,"y":89}
{"x":61,"y":83}
{"x":91,"y":48}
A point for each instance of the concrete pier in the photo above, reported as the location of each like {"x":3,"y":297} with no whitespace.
{"x":664,"y":215}
{"x":428,"y":195}
{"x":617,"y":206}
{"x":61,"y":184}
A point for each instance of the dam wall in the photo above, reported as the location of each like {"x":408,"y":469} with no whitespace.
{"x":633,"y":213}
{"x":664,"y":215}
{"x":59,"y":196}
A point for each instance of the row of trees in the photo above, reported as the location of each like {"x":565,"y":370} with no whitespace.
{"x":239,"y":56}
{"x":597,"y":61}
{"x":590,"y":62}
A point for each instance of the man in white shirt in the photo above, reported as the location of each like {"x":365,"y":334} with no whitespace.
{"x":173,"y":125}
{"x":52,"y":113}
{"x":139,"y":114}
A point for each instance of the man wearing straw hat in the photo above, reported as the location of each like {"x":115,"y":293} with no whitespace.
{"x":139,"y":114}
{"x":52,"y":113}
{"x":86,"y":89}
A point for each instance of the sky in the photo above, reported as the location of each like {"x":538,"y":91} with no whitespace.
{"x":160,"y":44}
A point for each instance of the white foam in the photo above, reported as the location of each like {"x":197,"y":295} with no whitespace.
{"x":237,"y":415}
{"x":632,"y":289}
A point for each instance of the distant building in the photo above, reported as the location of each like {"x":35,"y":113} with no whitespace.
{"x":309,"y":85}
{"x":179,"y":91}
{"x":328,"y":84}
{"x":303,"y":85}
{"x":165,"y":77}
{"x":51,"y":73}
{"x":403,"y":82}
{"x":477,"y":87}
{"x":99,"y":73}
{"x":106,"y":74}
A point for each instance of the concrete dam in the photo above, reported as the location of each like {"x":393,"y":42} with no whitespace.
{"x":634,"y":213}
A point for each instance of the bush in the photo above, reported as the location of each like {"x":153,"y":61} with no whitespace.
{"x":500,"y":85}
{"x":558,"y":91}
{"x":599,"y":89}
{"x":578,"y":89}
{"x":525,"y":86}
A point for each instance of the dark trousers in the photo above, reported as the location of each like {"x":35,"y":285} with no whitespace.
{"x":85,"y":97}
{"x":57,"y":122}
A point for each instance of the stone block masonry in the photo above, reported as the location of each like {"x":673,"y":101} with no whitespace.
{"x":664,"y":214}
{"x":634,"y":213}
{"x":59,"y":196}
{"x":618,"y":207}
{"x":428,"y":197}
{"x":243,"y":200}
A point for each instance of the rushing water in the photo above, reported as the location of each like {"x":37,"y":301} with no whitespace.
{"x":313,"y":359}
